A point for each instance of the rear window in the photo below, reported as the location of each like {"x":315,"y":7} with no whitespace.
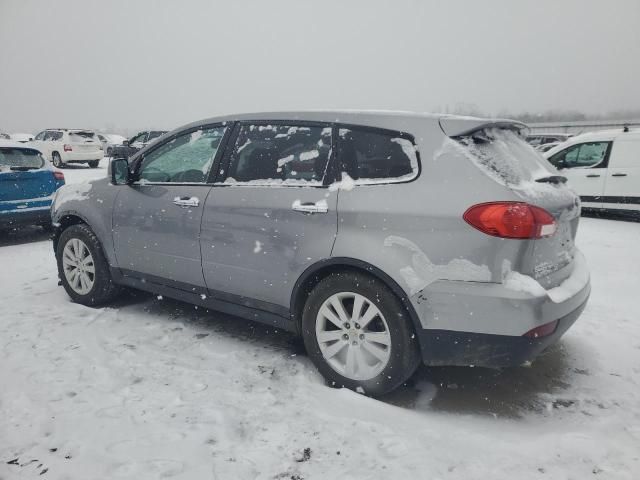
{"x":20,"y":158}
{"x":505,"y":156}
{"x":81,"y":136}
{"x":376,"y":155}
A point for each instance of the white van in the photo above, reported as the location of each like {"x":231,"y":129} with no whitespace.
{"x":603,"y":168}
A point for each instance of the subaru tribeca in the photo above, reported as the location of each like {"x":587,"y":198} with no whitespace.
{"x":383,"y":239}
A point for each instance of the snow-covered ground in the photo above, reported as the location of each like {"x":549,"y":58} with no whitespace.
{"x":151,"y":388}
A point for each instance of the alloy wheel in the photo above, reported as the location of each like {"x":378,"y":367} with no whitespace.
{"x":78,"y":265}
{"x":353,"y":336}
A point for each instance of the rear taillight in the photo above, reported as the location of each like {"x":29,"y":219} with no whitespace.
{"x":511,"y":220}
{"x":67,"y":148}
{"x":58,"y":175}
{"x":542,"y":331}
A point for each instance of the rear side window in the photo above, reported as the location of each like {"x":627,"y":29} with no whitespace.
{"x":280,"y":154}
{"x":52,"y":135}
{"x":376,"y":156}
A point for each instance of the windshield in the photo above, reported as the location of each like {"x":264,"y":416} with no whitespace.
{"x":18,"y":158}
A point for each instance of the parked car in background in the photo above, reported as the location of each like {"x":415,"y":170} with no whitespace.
{"x":27,"y":184}
{"x":4,"y":136}
{"x":21,"y":137}
{"x":603,"y":167}
{"x":383,"y":239}
{"x":545,"y":147}
{"x":135,"y":143}
{"x":109,"y":141}
{"x":64,"y":146}
{"x":536,"y":140}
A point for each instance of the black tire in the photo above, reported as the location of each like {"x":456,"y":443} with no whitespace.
{"x":57,"y":161}
{"x":405,"y":351}
{"x":103,"y":289}
{"x":93,"y":163}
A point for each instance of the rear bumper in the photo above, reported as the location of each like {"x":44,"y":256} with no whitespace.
{"x":31,"y":216}
{"x":483,"y":324}
{"x":79,"y":157}
{"x":446,"y":347}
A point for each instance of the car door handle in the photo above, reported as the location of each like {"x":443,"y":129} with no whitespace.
{"x":310,"y":207}
{"x":619,"y":175}
{"x":593,"y":175}
{"x":186,"y":201}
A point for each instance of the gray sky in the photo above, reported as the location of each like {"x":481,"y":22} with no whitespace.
{"x":125,"y":65}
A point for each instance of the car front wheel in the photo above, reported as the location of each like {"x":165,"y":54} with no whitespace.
{"x":94,"y":163}
{"x":358,"y":334}
{"x":82,"y":267}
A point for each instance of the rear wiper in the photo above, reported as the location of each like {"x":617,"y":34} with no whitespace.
{"x":22,"y":169}
{"x":552,"y":179}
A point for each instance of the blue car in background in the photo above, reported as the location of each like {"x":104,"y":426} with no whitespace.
{"x":28,"y":183}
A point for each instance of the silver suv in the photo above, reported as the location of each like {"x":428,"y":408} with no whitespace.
{"x":383,"y":239}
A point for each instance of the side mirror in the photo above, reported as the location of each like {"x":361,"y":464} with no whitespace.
{"x":125,"y":143}
{"x":119,"y":171}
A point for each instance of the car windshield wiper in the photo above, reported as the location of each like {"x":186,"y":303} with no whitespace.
{"x":552,"y":179}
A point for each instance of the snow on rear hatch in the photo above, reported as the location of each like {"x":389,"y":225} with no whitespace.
{"x":502,"y":154}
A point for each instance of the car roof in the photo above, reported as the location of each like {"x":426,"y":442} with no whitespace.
{"x":14,"y":144}
{"x":451,"y":124}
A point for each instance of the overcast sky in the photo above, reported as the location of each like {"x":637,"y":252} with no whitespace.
{"x":125,"y":65}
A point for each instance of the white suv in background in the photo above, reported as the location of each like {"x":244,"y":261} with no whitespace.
{"x":64,"y":145}
{"x":603,"y":168}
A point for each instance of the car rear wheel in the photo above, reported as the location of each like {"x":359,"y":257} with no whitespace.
{"x":57,"y":161}
{"x":94,"y":163}
{"x":82,"y":267}
{"x":358,"y":334}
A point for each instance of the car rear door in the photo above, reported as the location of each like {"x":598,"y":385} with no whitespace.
{"x":622,"y":187}
{"x":585,"y":166}
{"x":156,"y":219}
{"x":272,"y":217}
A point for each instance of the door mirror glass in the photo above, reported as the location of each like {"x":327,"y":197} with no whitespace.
{"x":119,"y":171}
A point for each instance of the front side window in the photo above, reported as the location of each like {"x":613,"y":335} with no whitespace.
{"x":286,"y":154}
{"x":40,"y":136}
{"x":375,"y":155}
{"x":583,"y":155}
{"x":185,"y":159}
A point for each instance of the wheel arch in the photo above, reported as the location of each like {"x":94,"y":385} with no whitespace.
{"x":320,"y":270}
{"x":67,"y":220}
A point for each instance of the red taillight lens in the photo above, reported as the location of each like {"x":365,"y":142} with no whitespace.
{"x":511,"y":220}
{"x":67,"y":148}
{"x":542,"y":330}
{"x":58,"y":175}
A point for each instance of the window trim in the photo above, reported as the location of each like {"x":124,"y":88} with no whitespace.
{"x":604,"y":163}
{"x":223,"y":169}
{"x":136,"y":161}
{"x":384,"y":131}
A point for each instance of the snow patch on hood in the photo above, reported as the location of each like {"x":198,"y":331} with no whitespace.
{"x":421,"y":271}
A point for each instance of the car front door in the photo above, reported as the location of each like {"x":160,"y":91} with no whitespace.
{"x":156,"y":219}
{"x":585,"y":166}
{"x":272,"y":217}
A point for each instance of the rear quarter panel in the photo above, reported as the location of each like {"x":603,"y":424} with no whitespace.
{"x":415,"y":231}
